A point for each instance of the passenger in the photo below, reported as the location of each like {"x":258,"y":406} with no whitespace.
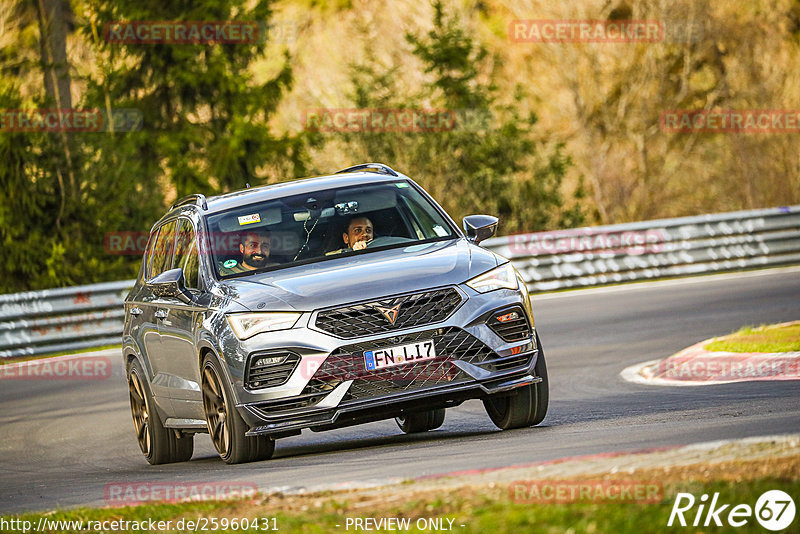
{"x":255,"y":247}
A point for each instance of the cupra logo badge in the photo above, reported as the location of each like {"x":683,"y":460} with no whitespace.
{"x":390,"y":313}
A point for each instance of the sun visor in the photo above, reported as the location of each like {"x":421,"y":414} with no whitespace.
{"x":250,"y":218}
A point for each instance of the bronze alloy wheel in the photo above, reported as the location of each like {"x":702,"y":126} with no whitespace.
{"x":160,"y":445}
{"x":227,"y":428}
{"x":141,"y":416}
{"x":216,"y":410}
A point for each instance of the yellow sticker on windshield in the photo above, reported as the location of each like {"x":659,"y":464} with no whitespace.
{"x":249,"y":219}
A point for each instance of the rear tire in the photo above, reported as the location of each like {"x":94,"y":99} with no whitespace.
{"x":412,"y":423}
{"x":225,"y":426}
{"x":525,"y":406}
{"x":158,"y":444}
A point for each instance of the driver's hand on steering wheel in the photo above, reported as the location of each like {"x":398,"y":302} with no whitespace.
{"x":360,"y":245}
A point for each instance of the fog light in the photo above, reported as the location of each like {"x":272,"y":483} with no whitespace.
{"x":270,"y":360}
{"x":508,"y":317}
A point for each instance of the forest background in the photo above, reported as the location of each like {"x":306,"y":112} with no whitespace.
{"x":560,"y":134}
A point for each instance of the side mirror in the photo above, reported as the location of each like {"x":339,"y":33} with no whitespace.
{"x":480,"y":227}
{"x":171,"y":284}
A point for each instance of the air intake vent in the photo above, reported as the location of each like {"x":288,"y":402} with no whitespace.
{"x":270,"y":369}
{"x":510,"y":324}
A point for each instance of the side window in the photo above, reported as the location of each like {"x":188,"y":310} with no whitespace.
{"x":163,"y":250}
{"x":422,"y":221}
{"x":148,"y":257}
{"x":186,"y":253}
{"x":191,"y":266}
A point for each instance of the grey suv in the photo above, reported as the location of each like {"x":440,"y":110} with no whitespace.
{"x":322,"y":303}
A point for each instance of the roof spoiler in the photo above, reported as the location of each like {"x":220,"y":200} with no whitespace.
{"x":196,"y":199}
{"x":379,"y":168}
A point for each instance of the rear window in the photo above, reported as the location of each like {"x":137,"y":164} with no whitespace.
{"x":323,"y":225}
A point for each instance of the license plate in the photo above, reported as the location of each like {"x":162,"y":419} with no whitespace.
{"x":399,"y":355}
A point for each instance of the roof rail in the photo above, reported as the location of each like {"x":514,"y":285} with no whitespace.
{"x":380,"y":168}
{"x":197,"y":199}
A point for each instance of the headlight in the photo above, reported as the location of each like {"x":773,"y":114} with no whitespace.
{"x":503,"y":277}
{"x":246,"y":325}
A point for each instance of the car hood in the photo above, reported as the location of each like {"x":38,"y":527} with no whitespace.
{"x":363,"y":277}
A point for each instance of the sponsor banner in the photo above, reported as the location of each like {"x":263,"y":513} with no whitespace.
{"x":60,"y":368}
{"x":567,"y":491}
{"x":586,"y":31}
{"x":730,"y":121}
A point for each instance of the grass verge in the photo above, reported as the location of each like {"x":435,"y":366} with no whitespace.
{"x":766,"y":338}
{"x":466,"y":509}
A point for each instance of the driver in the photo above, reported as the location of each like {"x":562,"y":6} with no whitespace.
{"x":254,"y":248}
{"x":358,"y":232}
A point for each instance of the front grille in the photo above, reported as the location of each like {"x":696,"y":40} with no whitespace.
{"x":347,"y":363}
{"x":511,"y":330}
{"x":260,"y":375}
{"x":365,"y":319}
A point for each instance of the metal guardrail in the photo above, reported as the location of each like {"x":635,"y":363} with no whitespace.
{"x":663,"y":248}
{"x":74,"y":318}
{"x":63,"y":319}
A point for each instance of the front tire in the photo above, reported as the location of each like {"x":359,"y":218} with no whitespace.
{"x":225,"y":426}
{"x":158,"y":444}
{"x":525,"y":406}
{"x":412,"y":423}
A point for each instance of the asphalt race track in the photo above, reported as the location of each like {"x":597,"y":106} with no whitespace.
{"x":62,"y":442}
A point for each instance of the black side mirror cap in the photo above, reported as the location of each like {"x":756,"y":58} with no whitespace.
{"x":171,"y":284}
{"x":480,"y":227}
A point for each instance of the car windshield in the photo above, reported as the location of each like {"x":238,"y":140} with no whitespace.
{"x":323,"y":225}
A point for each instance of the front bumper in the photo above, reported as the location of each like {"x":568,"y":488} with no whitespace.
{"x":474,"y":362}
{"x":376,"y":409}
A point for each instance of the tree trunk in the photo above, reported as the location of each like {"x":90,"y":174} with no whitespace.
{"x":53,"y":27}
{"x":53,"y":22}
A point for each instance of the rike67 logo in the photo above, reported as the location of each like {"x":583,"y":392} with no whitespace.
{"x":774,"y":510}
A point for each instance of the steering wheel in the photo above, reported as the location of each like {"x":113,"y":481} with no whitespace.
{"x":387,"y":240}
